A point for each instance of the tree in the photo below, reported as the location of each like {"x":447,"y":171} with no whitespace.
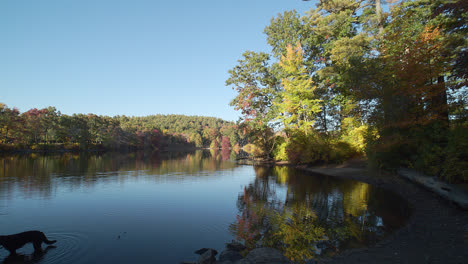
{"x":257,"y":86}
{"x":415,"y":89}
{"x":298,"y":105}
{"x":32,"y":119}
{"x":225,"y":143}
{"x":196,"y":139}
{"x":9,"y":120}
{"x":49,"y":121}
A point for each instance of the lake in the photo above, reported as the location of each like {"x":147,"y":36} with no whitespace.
{"x":160,"y":208}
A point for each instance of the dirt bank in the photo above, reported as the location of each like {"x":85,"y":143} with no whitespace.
{"x":437,"y":231}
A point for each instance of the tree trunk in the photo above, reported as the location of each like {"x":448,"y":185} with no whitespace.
{"x":378,"y":11}
{"x":439,"y":103}
{"x":325,"y":128}
{"x":439,"y":111}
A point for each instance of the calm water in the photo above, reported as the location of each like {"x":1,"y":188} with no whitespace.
{"x":151,"y":208}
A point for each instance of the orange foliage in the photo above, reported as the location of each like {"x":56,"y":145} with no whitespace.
{"x":418,"y":65}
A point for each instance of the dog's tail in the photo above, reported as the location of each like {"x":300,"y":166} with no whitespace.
{"x":47,"y":241}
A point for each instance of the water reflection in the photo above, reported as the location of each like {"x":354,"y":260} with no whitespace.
{"x":161,"y":206}
{"x":36,"y":175}
{"x":310,"y":215}
{"x":35,"y":257}
{"x":170,"y":204}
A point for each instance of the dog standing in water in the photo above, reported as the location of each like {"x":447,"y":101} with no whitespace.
{"x":16,"y":241}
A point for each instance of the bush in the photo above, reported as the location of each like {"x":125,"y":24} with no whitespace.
{"x":455,"y":168}
{"x":342,"y":151}
{"x":72,"y":146}
{"x":253,"y":150}
{"x":279,"y":152}
{"x":303,"y":147}
{"x":46,"y":146}
{"x":429,"y":149}
{"x":354,"y":133}
{"x":6,"y":147}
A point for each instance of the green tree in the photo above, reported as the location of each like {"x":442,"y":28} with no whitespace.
{"x":49,"y":122}
{"x":298,"y":105}
{"x":9,"y":121}
{"x":257,"y":88}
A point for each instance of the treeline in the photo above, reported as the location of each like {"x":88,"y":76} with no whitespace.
{"x":348,"y":78}
{"x":47,"y":130}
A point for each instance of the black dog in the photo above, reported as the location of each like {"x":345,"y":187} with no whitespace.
{"x":16,"y":241}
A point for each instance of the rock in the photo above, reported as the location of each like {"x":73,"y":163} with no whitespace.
{"x":230,"y":255}
{"x":207,"y":257}
{"x":203,"y":250}
{"x":447,"y":191}
{"x":236,"y":246}
{"x":265,"y":256}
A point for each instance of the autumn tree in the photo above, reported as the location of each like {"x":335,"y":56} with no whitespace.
{"x":418,"y":84}
{"x":32,"y":119}
{"x":9,"y":121}
{"x":256,"y":86}
{"x":298,"y":104}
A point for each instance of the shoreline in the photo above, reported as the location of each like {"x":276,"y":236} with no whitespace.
{"x":436,"y":231}
{"x":97,"y":150}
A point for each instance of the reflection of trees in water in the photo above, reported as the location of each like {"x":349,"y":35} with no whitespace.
{"x":293,"y":221}
{"x":38,"y":175}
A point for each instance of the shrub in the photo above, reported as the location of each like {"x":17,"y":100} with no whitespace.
{"x":252,"y":150}
{"x":72,"y":146}
{"x":6,"y":147}
{"x":429,"y":149}
{"x":342,"y":151}
{"x":303,"y":147}
{"x":279,"y":152}
{"x":455,"y":167}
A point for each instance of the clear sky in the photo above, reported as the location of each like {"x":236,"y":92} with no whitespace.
{"x":132,"y":57}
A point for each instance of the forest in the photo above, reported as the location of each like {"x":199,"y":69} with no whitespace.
{"x":383,"y":79}
{"x":49,"y":130}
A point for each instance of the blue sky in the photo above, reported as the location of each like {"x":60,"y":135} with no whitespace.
{"x":133,"y":57}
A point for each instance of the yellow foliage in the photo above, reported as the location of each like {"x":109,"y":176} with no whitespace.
{"x":252,"y":149}
{"x":354,"y":133}
{"x":298,"y":105}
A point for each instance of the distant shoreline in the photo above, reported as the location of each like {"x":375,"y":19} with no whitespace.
{"x":61,"y":149}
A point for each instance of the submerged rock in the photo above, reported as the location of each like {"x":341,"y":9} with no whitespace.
{"x":265,"y":256}
{"x":229,"y":256}
{"x":203,"y":250}
{"x":207,"y":256}
{"x":235,"y":246}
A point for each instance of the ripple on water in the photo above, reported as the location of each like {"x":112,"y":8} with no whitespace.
{"x":70,"y":247}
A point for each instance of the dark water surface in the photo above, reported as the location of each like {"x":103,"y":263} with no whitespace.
{"x":154,"y":208}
